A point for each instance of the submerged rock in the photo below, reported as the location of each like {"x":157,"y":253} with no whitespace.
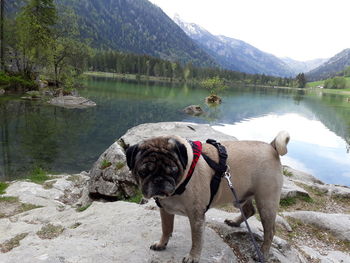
{"x":213,"y":99}
{"x":110,"y":175}
{"x":72,"y":102}
{"x":195,"y":110}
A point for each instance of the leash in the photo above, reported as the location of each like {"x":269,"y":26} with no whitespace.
{"x":228,"y":179}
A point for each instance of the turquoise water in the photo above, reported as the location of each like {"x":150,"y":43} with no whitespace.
{"x":70,"y":140}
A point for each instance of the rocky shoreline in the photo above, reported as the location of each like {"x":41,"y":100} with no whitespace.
{"x":58,"y":221}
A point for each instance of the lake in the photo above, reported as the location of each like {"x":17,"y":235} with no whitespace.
{"x":33,"y":134}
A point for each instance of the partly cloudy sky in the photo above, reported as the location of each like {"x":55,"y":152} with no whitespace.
{"x":299,"y":29}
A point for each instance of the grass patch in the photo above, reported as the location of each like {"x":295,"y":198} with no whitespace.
{"x":3,"y":187}
{"x":321,"y":202}
{"x":287,"y":173}
{"x":12,"y":243}
{"x":289,"y":201}
{"x":74,"y":178}
{"x":9,"y":199}
{"x":105,"y":164}
{"x":119,"y":165}
{"x":50,"y":231}
{"x":315,"y":84}
{"x":49,"y":185}
{"x":83,"y":208}
{"x":38,"y":176}
{"x":305,"y":231}
{"x":26,"y":207}
{"x":136,"y":198}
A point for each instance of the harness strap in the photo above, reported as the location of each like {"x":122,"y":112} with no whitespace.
{"x":197,"y":151}
{"x":219,"y":168}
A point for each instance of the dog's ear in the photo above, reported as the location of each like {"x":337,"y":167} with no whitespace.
{"x":131,"y":154}
{"x":181,"y":151}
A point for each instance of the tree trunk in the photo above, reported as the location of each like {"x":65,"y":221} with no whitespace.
{"x":2,"y":48}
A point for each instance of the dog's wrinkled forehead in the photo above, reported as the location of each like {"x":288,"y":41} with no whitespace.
{"x":162,"y":145}
{"x":159,"y":144}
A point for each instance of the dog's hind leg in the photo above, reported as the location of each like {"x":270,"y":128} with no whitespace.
{"x":248,"y":210}
{"x":167,"y":230}
{"x":267,"y":213}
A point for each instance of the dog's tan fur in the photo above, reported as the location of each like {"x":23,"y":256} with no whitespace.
{"x":256,"y":172}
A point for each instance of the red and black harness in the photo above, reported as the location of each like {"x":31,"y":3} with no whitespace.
{"x":219,"y":168}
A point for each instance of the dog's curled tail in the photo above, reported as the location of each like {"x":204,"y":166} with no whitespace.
{"x":280,"y":142}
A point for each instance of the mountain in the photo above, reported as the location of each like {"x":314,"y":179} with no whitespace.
{"x":303,"y":66}
{"x":331,"y":67}
{"x":135,"y":26}
{"x":236,"y":54}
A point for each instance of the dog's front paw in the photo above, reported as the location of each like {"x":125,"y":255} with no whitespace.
{"x":232,"y":223}
{"x":158,"y":247}
{"x":190,"y":259}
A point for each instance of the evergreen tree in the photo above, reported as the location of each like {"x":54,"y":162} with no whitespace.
{"x":301,"y":80}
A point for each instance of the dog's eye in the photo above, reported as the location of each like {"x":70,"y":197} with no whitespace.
{"x":172,"y":170}
{"x":142,"y":174}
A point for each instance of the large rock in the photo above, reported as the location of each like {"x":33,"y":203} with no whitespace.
{"x":337,"y":224}
{"x":314,"y":183}
{"x":301,"y":176}
{"x":57,"y":192}
{"x":72,"y":102}
{"x":290,"y":189}
{"x":106,"y":232}
{"x":2,"y":92}
{"x":191,"y":131}
{"x":110,"y":175}
{"x":330,"y":257}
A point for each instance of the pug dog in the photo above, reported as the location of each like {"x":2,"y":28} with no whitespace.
{"x":161,"y":164}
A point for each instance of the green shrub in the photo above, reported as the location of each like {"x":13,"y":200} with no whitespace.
{"x":3,"y":187}
{"x":16,"y":82}
{"x":38,"y":176}
{"x":335,"y":83}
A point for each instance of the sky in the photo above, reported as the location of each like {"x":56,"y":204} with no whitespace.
{"x":299,"y":29}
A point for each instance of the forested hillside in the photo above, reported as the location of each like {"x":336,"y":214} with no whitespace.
{"x":135,"y":26}
{"x":331,"y":68}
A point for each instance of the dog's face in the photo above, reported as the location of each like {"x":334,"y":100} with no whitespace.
{"x":158,"y":165}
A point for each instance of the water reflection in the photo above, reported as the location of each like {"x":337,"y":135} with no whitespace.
{"x":313,"y":147}
{"x":67,"y":140}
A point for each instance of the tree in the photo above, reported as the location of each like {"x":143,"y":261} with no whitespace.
{"x":301,"y":80}
{"x":33,"y":34}
{"x":2,"y":37}
{"x":214,"y":85}
{"x":67,"y":56}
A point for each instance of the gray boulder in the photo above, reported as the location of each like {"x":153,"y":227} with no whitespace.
{"x":110,"y":175}
{"x":106,"y":232}
{"x":311,"y":181}
{"x":330,"y":257}
{"x":71,"y":102}
{"x":301,"y":176}
{"x":290,"y":189}
{"x":2,"y":92}
{"x":337,"y":224}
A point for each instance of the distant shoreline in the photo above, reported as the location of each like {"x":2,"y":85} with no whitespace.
{"x":144,"y":78}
